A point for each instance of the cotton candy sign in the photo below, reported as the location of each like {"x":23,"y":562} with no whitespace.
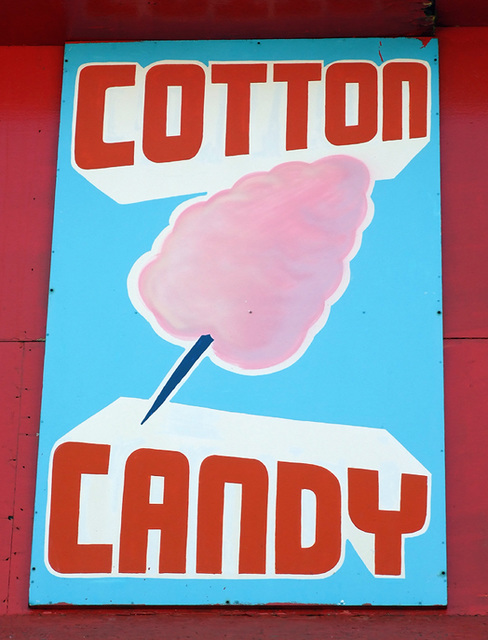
{"x":242,"y":397}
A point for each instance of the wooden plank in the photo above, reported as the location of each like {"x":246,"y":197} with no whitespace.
{"x":453,"y":13}
{"x":243,"y":625}
{"x":466,"y":386}
{"x":463,"y":57}
{"x":18,"y":596}
{"x":30,"y":84}
{"x":25,"y":22}
{"x":10,"y":385}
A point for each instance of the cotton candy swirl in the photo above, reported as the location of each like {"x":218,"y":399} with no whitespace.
{"x":257,"y":266}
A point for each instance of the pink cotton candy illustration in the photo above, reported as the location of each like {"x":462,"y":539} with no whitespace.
{"x":256,"y":268}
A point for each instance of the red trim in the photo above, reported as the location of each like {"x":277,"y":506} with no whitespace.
{"x":33,"y":23}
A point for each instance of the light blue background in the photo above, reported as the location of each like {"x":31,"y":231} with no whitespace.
{"x":377,"y":362}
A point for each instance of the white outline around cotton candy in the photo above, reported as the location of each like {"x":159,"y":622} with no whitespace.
{"x":148,"y":257}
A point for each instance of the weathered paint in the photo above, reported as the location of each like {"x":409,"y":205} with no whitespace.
{"x":230,"y":623}
{"x":10,"y":384}
{"x":29,"y":416}
{"x":463,"y":64}
{"x":31,"y":92}
{"x":26,"y":23}
{"x":466,"y":384}
{"x":28,"y":131}
{"x":464,"y":131}
{"x":451,"y":13}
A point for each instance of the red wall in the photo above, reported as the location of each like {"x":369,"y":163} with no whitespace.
{"x":25,"y":22}
{"x":30,"y":86}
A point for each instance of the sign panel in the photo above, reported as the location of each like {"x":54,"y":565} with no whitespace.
{"x":243,"y":381}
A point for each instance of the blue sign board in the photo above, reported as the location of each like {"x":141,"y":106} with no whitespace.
{"x":242,"y":395}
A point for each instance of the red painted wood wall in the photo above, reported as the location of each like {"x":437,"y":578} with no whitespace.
{"x":30,"y":87}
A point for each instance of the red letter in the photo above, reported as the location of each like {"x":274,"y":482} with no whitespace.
{"x":297,"y":75}
{"x":215,"y":472}
{"x":139,"y":515}
{"x":337,"y":76}
{"x":70,"y":460}
{"x":388,"y":526}
{"x":158,"y":146}
{"x":91,"y":152}
{"x":238,"y":78}
{"x":325,"y":553}
{"x":394,"y":74}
